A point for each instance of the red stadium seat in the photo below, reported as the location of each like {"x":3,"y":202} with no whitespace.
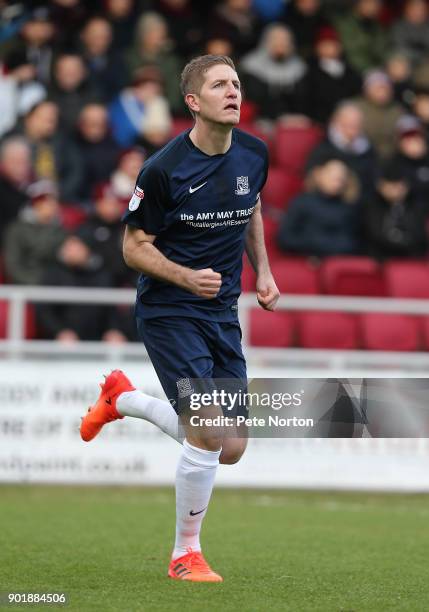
{"x":280,"y":188}
{"x":4,"y":309}
{"x":407,"y":279}
{"x":425,"y":330}
{"x":327,"y":330}
{"x":390,"y":332}
{"x":72,"y":216}
{"x":352,"y":276}
{"x":271,"y":228}
{"x":293,"y":146}
{"x":180,"y":125}
{"x":296,"y":275}
{"x":271,"y":328}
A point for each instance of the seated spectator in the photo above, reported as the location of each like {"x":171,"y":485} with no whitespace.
{"x":420,"y":107}
{"x":19,"y":90}
{"x":107,"y":71}
{"x":68,"y":17}
{"x":236,"y":21}
{"x":395,"y":219}
{"x":153,"y":47}
{"x":70,"y":89}
{"x":305,"y":18}
{"x":324,"y":220}
{"x":141,"y":112}
{"x":77,"y":266}
{"x":31,"y":242}
{"x":122,"y":15}
{"x":124,"y":177}
{"x":97,"y":149}
{"x":54,"y":157}
{"x":184,"y":24}
{"x":411,"y":32}
{"x":104,"y":231}
{"x":35,"y":41}
{"x":399,"y":71}
{"x":269,"y":10}
{"x":347,"y":141}
{"x":380,"y":111}
{"x":330,"y":78}
{"x":364,"y":39}
{"x":412,"y":156}
{"x":15,"y":175}
{"x":272,"y":75}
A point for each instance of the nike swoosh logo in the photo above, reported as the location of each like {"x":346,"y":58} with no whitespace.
{"x":109,"y":401}
{"x":193,"y":189}
{"x":192,"y":513}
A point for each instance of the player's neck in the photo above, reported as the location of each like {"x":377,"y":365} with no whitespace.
{"x":210,"y":138}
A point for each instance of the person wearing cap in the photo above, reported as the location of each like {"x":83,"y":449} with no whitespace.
{"x":412,"y":155}
{"x":330,"y":77}
{"x":394,"y":220}
{"x":380,"y":111}
{"x":141,"y":111}
{"x":364,"y":39}
{"x":32,"y":240}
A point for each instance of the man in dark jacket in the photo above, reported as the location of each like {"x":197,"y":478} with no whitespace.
{"x":77,"y":266}
{"x":395,"y":219}
{"x":346,"y":140}
{"x":15,"y":171}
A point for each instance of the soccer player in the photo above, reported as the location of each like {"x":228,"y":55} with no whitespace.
{"x":195,"y":208}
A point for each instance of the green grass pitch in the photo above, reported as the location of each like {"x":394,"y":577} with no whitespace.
{"x":108,"y":548}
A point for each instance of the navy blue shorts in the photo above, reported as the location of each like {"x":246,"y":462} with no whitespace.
{"x":184,"y":350}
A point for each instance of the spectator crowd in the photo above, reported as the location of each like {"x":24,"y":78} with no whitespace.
{"x":89,"y":90}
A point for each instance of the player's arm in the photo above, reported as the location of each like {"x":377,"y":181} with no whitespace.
{"x":266,"y":288}
{"x":142,"y":255}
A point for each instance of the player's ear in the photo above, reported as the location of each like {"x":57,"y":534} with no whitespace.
{"x":192,"y":102}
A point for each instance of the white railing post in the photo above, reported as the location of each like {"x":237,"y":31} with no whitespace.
{"x":16,"y":316}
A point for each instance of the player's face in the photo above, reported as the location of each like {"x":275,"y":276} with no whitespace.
{"x":219,"y":99}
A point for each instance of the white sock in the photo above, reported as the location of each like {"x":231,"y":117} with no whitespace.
{"x":195,"y":477}
{"x":159,"y":412}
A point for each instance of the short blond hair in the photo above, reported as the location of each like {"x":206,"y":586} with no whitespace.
{"x":193,"y":73}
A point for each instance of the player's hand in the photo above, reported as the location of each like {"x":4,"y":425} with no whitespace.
{"x":204,"y":283}
{"x":267,"y":292}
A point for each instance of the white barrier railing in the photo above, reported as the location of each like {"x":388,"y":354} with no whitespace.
{"x":19,"y":296}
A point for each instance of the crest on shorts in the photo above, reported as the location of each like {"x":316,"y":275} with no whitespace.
{"x":184,"y":387}
{"x":242,"y":185}
{"x":137,"y":197}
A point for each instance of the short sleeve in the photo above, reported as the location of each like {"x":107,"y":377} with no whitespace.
{"x":147,"y":206}
{"x":265,"y":169}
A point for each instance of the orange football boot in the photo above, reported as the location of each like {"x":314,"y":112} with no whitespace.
{"x":193,"y":567}
{"x":104,"y":409}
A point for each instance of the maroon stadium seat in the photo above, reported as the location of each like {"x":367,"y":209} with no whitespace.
{"x":248,"y":277}
{"x":327,"y":330}
{"x":271,"y":228}
{"x":280,"y":188}
{"x":180,"y":125}
{"x":293,"y":146}
{"x":407,"y":279}
{"x":352,"y":276}
{"x":271,"y":328}
{"x":390,"y":332}
{"x":295,"y":275}
{"x":4,"y":309}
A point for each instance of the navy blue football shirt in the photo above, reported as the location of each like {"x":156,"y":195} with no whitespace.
{"x":198,"y":207}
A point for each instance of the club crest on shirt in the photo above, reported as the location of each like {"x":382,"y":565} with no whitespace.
{"x":242,"y":185}
{"x":137,"y":197}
